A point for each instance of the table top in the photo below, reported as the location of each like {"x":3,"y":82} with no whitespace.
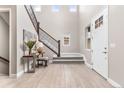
{"x":28,"y":56}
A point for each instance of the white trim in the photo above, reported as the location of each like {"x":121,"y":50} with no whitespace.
{"x":10,"y":31}
{"x":19,"y":74}
{"x":72,"y":54}
{"x":69,"y":54}
{"x":12,"y":76}
{"x":86,"y":63}
{"x":113,"y":83}
{"x":61,"y":60}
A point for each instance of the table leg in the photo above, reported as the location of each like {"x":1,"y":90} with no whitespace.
{"x":34,"y":64}
{"x":45,"y":62}
{"x":28,"y":65}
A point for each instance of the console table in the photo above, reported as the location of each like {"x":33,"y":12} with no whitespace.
{"x":28,"y":57}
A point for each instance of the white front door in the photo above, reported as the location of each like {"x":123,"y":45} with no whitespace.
{"x":100,"y":43}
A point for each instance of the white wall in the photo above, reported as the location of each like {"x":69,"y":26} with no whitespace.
{"x":61,"y":23}
{"x":4,"y":45}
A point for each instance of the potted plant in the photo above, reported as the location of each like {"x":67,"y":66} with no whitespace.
{"x":30,"y":45}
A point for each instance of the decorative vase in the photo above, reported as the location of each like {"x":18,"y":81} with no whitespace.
{"x":29,"y":51}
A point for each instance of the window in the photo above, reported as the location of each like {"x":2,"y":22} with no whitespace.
{"x":99,"y":22}
{"x":73,"y":8}
{"x":55,"y":8}
{"x":37,"y":8}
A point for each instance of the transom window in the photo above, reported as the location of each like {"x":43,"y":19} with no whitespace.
{"x":36,"y":8}
{"x":73,"y":8}
{"x":55,"y":8}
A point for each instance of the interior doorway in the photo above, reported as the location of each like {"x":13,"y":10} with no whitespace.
{"x":100,"y":43}
{"x":5,"y":41}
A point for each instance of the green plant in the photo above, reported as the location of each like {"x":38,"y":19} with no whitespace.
{"x":30,"y":45}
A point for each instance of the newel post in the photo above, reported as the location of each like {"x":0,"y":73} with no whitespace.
{"x":38,"y":27}
{"x":58,"y":48}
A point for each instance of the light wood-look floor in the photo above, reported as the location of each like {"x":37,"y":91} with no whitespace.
{"x":58,"y":76}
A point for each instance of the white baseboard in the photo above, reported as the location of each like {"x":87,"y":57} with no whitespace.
{"x":114,"y":84}
{"x":86,"y":63}
{"x":12,"y":76}
{"x":19,"y":74}
{"x":69,"y":54}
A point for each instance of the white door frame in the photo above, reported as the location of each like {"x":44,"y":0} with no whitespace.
{"x":107,"y":44}
{"x":8,"y":10}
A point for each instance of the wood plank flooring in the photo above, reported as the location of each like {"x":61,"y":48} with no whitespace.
{"x":58,"y":76}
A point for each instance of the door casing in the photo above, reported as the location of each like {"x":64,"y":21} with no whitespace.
{"x":9,"y":10}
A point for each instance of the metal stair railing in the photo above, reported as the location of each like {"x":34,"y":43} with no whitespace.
{"x":43,"y":36}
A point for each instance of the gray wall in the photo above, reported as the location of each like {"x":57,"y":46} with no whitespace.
{"x":13,"y":36}
{"x":5,"y":16}
{"x":86,"y":13}
{"x":4,"y":45}
{"x":58,"y":24}
{"x":23,"y":22}
{"x":116,"y":45}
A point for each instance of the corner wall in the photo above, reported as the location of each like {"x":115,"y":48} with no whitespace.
{"x":116,"y":44}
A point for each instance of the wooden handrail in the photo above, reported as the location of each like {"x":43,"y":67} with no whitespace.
{"x":6,"y":60}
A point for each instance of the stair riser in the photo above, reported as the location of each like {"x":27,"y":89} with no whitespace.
{"x":68,"y":58}
{"x":68,"y":62}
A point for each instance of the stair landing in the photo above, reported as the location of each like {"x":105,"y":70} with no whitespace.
{"x":68,"y":58}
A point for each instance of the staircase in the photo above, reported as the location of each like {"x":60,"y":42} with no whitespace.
{"x":43,"y":36}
